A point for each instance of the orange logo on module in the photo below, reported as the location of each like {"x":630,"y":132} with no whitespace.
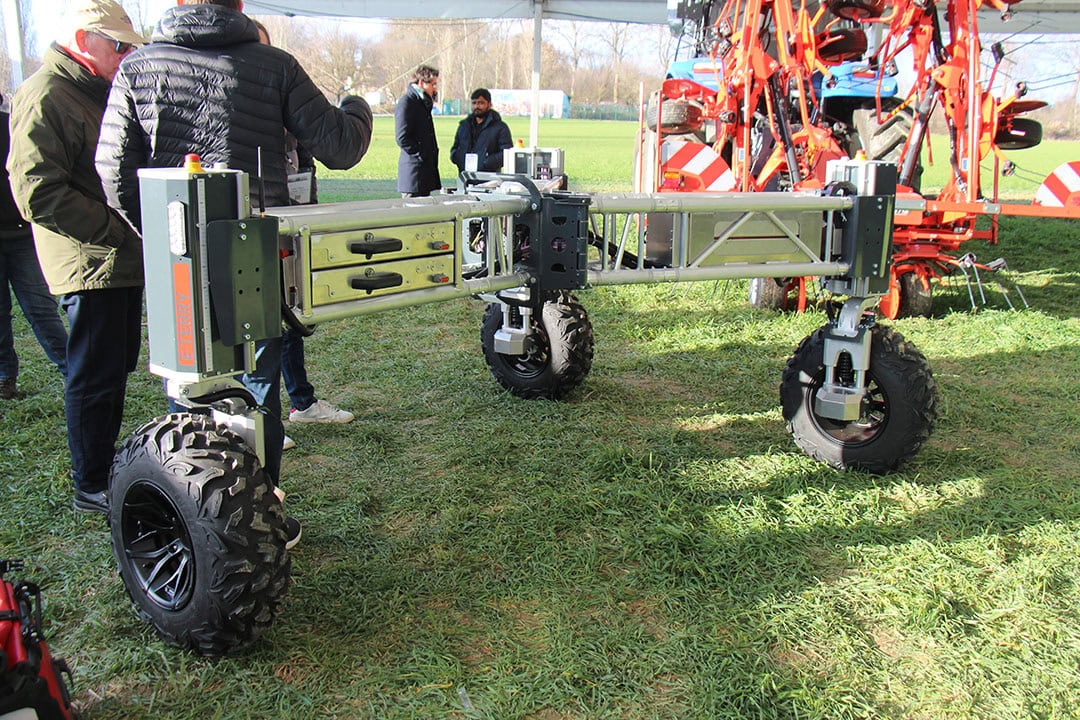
{"x":185,"y":315}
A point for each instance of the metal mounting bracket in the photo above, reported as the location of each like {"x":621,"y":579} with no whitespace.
{"x":846,"y":357}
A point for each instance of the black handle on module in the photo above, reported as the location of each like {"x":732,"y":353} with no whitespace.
{"x":375,"y":281}
{"x":372,"y":245}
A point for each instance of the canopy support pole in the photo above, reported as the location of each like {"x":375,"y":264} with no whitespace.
{"x":534,"y":118}
{"x":14,"y":39}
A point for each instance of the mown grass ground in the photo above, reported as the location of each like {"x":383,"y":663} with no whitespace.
{"x":600,"y":158}
{"x":655,"y":547}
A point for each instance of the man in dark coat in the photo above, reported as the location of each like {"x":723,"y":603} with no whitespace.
{"x":483,"y":133}
{"x":206,"y":85}
{"x":20,"y":272}
{"x":418,"y":164}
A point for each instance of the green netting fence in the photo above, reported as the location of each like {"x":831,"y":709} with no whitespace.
{"x":581,"y":111}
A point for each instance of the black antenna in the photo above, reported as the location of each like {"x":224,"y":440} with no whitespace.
{"x":262,"y":185}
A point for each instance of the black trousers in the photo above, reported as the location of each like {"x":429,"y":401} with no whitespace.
{"x":104,"y":337}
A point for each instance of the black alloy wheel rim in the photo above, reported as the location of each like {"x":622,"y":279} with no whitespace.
{"x":157,"y":546}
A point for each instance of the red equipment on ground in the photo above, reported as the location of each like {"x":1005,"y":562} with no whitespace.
{"x":30,"y":678}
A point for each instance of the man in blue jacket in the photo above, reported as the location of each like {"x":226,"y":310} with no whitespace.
{"x":483,"y":133}
{"x":418,"y":164}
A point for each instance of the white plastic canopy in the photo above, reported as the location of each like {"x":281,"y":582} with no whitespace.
{"x":635,"y":11}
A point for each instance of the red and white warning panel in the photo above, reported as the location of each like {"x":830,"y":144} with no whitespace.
{"x":693,"y":167}
{"x":1061,"y":187}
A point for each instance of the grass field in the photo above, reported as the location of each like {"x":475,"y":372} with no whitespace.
{"x":599,"y":158}
{"x":655,"y":547}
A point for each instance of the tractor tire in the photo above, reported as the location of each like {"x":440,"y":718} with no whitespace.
{"x":838,"y":45}
{"x":1019,"y":134}
{"x":769,"y":293}
{"x":558,"y":355}
{"x":676,"y":117}
{"x":857,"y":9}
{"x":198,"y":534}
{"x":885,"y":141}
{"x":899,"y":410}
{"x":916,"y":298}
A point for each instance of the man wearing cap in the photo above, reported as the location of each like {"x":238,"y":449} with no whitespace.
{"x":91,"y":257}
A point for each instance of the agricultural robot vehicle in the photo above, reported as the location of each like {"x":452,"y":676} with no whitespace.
{"x":196,"y":527}
{"x":776,"y":90}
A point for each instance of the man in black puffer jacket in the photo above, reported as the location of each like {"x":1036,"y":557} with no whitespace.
{"x":206,"y":85}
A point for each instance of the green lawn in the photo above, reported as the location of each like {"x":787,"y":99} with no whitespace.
{"x":655,"y":547}
{"x":599,"y":157}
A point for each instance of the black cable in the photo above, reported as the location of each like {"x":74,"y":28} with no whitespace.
{"x":294,"y":323}
{"x":219,"y":395}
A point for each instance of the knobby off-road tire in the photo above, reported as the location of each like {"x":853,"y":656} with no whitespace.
{"x":558,"y":353}
{"x":769,"y":293}
{"x":885,"y":141}
{"x":899,"y":411}
{"x":198,"y":534}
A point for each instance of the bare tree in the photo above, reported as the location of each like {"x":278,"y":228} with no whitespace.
{"x":467,"y":47}
{"x":331,"y":55}
{"x":616,"y":39}
{"x":661,"y":43}
{"x":576,"y":36}
{"x":143,"y":17}
{"x":593,"y":62}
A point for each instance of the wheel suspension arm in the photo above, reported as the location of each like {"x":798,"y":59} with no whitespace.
{"x":847,"y":360}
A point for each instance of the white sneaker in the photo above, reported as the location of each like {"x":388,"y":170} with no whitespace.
{"x":288,"y":443}
{"x":321,"y":412}
{"x":292,"y":532}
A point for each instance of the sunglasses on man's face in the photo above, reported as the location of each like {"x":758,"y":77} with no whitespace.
{"x":121,"y":48}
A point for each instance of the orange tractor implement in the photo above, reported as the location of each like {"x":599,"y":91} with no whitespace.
{"x":780,"y":89}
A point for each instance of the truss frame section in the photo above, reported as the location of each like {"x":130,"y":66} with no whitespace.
{"x":674,"y":237}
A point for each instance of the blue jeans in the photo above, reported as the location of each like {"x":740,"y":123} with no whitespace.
{"x":103,"y":347}
{"x":20,"y":271}
{"x":265,"y":386}
{"x":300,"y":390}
